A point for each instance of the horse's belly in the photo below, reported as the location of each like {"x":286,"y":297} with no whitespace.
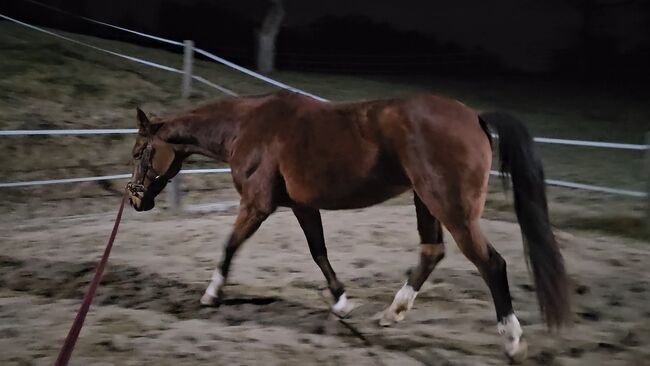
{"x":364,"y":197}
{"x":339,"y":192}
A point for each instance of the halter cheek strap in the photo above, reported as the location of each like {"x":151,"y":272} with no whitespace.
{"x":146,"y":167}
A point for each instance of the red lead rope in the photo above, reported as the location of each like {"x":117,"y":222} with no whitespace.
{"x":73,"y":334}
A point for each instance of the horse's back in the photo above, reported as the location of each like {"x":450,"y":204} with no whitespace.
{"x":357,"y":154}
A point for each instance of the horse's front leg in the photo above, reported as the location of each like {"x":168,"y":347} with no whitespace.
{"x":250,"y":217}
{"x":311,"y":224}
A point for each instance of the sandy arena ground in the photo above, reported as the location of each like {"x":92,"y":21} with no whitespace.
{"x":147,"y":309}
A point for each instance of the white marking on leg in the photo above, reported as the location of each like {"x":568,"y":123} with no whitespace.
{"x":343,"y":307}
{"x":402,"y":302}
{"x":510,"y":329}
{"x":341,"y":304}
{"x":215,"y":284}
{"x":405,"y":297}
{"x":212,"y":292}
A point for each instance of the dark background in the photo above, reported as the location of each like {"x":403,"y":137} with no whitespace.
{"x":581,"y":39}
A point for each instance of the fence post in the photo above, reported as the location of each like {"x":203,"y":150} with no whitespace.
{"x":647,"y":177}
{"x":188,"y":56}
{"x":174,"y":190}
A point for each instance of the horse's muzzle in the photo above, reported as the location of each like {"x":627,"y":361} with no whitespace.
{"x":138,"y":199}
{"x":140,"y":204}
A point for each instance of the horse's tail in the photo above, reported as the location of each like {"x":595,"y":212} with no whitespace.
{"x":521,"y":160}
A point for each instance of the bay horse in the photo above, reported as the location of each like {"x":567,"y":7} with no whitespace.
{"x":286,"y":149}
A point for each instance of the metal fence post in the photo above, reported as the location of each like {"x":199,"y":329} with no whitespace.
{"x":174,"y":190}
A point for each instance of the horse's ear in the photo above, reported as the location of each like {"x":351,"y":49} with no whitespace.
{"x":143,"y":121}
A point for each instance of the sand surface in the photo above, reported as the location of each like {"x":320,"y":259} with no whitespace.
{"x":147,"y":308}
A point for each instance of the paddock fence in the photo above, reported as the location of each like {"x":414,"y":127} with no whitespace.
{"x":187,"y":77}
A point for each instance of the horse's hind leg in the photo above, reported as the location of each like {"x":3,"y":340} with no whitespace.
{"x":432,"y":250}
{"x":460,"y":214}
{"x":311,"y":224}
{"x":492,"y":267}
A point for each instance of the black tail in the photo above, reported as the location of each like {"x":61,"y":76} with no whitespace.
{"x":521,"y":160}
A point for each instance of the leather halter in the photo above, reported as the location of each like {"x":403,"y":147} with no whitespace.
{"x":146,"y":169}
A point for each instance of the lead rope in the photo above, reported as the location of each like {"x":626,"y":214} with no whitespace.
{"x":73,"y":334}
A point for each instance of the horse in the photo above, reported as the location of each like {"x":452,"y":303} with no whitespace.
{"x":290,"y":150}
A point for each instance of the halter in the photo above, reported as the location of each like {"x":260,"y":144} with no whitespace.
{"x":146,"y":167}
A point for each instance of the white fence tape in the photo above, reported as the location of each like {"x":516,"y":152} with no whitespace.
{"x":610,"y":145}
{"x":543,"y":140}
{"x":255,"y":74}
{"x":165,"y":40}
{"x":127,"y":57}
{"x":134,"y":59}
{"x":218,"y":87}
{"x":552,"y":182}
{"x":150,"y":36}
{"x":62,"y":181}
{"x":114,"y":131}
{"x":99,"y":178}
{"x":587,"y":187}
{"x":203,"y":171}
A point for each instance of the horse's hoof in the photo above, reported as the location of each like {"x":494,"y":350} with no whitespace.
{"x":343,"y":307}
{"x":345,"y":311}
{"x":390,"y":318}
{"x":519,"y":354}
{"x":209,"y":300}
{"x":385,"y":321}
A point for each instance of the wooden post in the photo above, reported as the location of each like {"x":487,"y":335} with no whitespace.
{"x":647,"y":177}
{"x":174,"y":190}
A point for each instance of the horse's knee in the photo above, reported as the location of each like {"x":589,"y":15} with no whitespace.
{"x":255,"y":212}
{"x":433,"y":251}
{"x":431,"y":254}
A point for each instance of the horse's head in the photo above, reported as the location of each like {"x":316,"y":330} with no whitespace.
{"x":154,"y":163}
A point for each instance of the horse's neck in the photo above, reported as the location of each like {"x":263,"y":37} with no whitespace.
{"x":209,"y":133}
